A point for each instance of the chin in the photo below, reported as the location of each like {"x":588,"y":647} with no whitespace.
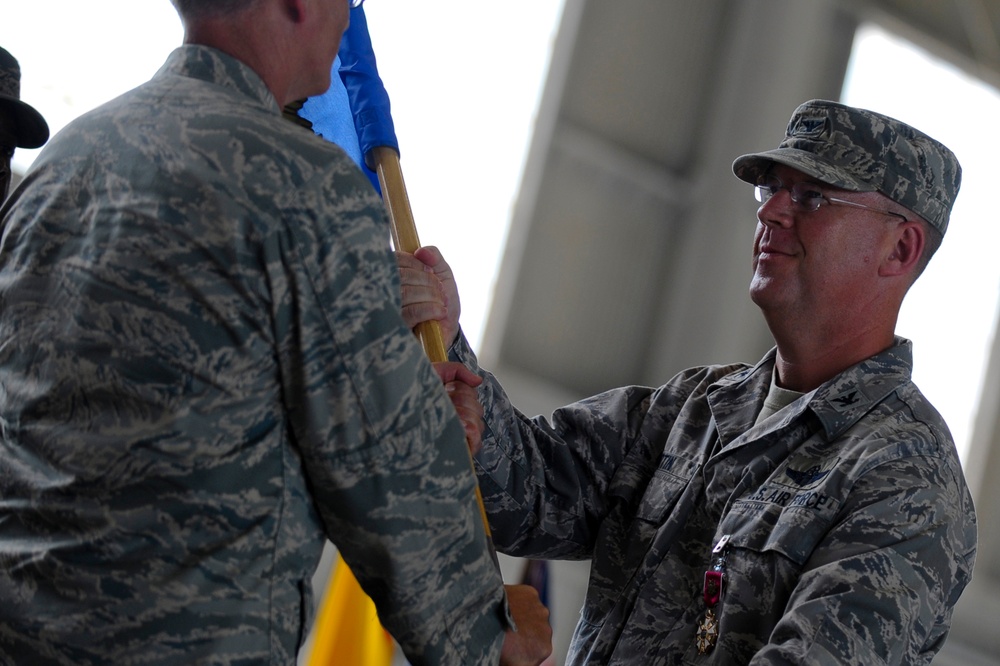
{"x":764,"y":292}
{"x":314,"y":89}
{"x":323,"y":83}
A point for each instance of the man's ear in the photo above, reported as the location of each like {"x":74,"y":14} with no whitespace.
{"x":909,"y":240}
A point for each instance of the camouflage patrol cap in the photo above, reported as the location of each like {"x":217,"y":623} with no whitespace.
{"x":859,"y":150}
{"x":27,"y":125}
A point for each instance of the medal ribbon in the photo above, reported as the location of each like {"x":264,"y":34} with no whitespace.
{"x":708,"y":629}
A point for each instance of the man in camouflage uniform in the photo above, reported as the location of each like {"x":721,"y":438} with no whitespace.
{"x":204,"y":371}
{"x":809,"y":509}
{"x":21,"y":126}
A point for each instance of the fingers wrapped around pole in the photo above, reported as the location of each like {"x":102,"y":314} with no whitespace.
{"x":384,"y":160}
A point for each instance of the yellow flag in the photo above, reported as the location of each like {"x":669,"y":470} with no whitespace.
{"x":348,"y":632}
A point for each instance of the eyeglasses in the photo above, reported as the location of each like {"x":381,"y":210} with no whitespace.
{"x":807,"y":197}
{"x":357,"y":3}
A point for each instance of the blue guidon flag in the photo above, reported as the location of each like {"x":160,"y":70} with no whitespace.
{"x":354,"y":113}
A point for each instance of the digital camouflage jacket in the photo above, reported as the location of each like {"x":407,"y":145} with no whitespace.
{"x":204,"y":372}
{"x":842,"y":528}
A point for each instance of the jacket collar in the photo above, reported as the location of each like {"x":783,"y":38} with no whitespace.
{"x":213,"y":66}
{"x":838,"y":404}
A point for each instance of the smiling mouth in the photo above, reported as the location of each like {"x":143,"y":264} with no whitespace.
{"x":773,"y":251}
{"x":771,"y":257}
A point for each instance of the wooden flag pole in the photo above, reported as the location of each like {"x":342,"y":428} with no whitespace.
{"x":384,"y":161}
{"x":404,"y":234}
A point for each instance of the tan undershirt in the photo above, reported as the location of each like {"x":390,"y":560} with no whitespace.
{"x":777,"y":398}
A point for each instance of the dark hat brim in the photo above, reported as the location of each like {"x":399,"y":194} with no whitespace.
{"x":29,"y":127}
{"x":752,"y":167}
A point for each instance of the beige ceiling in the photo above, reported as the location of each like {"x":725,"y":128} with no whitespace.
{"x":628,"y":255}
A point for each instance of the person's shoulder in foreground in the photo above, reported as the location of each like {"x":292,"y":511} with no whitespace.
{"x":213,"y":376}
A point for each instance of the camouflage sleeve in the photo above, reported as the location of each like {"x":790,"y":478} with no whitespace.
{"x":548,"y":483}
{"x":881,"y":586}
{"x":384,"y":454}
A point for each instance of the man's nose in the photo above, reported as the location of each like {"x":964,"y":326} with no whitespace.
{"x":778,"y":210}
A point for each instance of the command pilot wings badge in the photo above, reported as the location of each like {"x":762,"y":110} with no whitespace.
{"x":806,"y":477}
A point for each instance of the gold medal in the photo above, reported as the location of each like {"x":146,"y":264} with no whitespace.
{"x":708,"y":633}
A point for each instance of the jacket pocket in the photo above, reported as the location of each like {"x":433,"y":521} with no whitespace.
{"x":632,"y":528}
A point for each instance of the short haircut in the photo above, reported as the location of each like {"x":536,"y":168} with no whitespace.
{"x":202,"y":8}
{"x":932,"y":241}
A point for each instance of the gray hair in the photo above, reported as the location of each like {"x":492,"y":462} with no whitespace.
{"x":202,"y":8}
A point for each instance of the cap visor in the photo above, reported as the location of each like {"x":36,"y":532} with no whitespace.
{"x":30,"y":128}
{"x":752,"y":167}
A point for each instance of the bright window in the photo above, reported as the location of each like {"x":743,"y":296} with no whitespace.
{"x":951,"y":312}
